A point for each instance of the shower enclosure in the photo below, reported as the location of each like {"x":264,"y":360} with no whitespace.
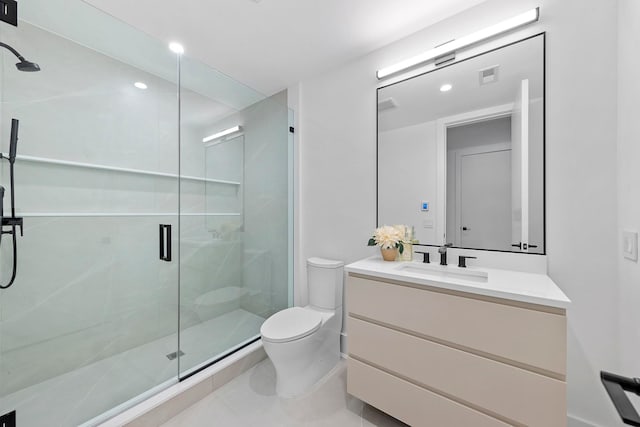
{"x":147,"y":253}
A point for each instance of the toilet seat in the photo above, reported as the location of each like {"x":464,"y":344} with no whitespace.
{"x":290,"y":324}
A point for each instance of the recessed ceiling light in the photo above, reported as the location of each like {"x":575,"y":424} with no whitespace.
{"x":140,"y":85}
{"x":445,"y":88}
{"x":176,"y":48}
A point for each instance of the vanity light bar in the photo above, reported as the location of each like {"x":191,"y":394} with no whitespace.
{"x":509,"y":24}
{"x":223,"y":133}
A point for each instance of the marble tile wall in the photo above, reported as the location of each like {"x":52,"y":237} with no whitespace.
{"x":90,"y":284}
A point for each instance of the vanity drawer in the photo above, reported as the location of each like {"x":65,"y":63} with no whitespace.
{"x":515,"y":394}
{"x":526,"y":336}
{"x":410,"y":403}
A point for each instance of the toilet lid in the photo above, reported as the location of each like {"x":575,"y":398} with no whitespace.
{"x":290,"y":324}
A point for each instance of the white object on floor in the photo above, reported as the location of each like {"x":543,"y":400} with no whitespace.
{"x":304,"y":343}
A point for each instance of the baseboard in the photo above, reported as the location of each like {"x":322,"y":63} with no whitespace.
{"x":573,"y":421}
{"x":168,"y":403}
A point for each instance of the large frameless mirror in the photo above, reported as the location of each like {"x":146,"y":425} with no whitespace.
{"x":461,"y":151}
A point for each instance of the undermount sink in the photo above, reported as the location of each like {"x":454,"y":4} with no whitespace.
{"x":445,"y":272}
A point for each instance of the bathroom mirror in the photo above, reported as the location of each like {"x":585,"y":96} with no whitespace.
{"x":461,"y":151}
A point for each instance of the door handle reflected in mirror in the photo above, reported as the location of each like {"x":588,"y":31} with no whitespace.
{"x":523,"y":246}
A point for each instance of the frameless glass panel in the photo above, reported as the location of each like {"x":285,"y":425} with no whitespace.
{"x":235,"y":236}
{"x":94,"y":319}
{"x":90,"y":322}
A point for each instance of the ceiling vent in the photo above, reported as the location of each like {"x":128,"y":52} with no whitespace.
{"x":488,"y":75}
{"x":387,"y":104}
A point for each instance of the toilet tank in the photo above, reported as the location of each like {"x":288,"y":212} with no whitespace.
{"x":325,"y":279}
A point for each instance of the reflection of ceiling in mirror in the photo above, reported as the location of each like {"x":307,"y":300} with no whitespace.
{"x":420,"y":99}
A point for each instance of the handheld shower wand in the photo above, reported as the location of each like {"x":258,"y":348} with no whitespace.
{"x":13,"y":148}
{"x":1,"y":208}
{"x":11,"y":221}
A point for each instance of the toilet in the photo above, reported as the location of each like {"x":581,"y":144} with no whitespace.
{"x":303,"y":343}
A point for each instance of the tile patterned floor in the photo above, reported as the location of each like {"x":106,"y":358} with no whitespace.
{"x":250,"y":400}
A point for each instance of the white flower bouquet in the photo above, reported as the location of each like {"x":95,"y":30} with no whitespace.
{"x":388,"y":237}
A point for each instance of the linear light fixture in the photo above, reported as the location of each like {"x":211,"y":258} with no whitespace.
{"x":222,"y":133}
{"x":501,"y":27}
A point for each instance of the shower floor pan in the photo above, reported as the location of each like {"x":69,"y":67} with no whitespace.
{"x":78,"y":396}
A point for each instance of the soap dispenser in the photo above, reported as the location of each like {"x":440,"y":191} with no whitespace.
{"x":407,"y":243}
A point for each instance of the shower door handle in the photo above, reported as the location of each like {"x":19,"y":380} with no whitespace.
{"x":165,"y":242}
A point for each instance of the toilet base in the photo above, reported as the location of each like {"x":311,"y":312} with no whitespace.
{"x":301,"y":363}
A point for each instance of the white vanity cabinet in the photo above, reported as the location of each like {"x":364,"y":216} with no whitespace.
{"x":434,"y":356}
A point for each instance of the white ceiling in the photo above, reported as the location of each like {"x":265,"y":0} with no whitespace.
{"x":272,"y":44}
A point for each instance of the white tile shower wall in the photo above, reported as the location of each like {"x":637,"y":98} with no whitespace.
{"x":628,"y":180}
{"x":92,"y":287}
{"x":82,"y":296}
{"x":210,"y":258}
{"x":83,"y":106}
{"x":337,"y":171}
{"x":265,"y":194}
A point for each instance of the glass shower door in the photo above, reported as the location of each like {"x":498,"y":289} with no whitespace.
{"x":91,"y":321}
{"x":115,"y":150}
{"x":235,"y":264}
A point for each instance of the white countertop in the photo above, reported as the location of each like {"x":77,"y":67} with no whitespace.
{"x":513,"y":285}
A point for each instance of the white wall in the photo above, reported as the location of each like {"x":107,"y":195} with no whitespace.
{"x":629,"y":180}
{"x":337,"y":168}
{"x":266,"y":197}
{"x":407,"y":176}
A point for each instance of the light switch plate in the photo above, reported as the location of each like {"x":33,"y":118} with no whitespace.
{"x":630,"y":245}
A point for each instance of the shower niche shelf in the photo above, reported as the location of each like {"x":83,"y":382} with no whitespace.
{"x":119,"y":214}
{"x":33,"y":159}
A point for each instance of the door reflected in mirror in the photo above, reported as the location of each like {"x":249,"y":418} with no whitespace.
{"x":461,"y":151}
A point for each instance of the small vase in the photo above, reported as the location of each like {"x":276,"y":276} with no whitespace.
{"x":389,"y":254}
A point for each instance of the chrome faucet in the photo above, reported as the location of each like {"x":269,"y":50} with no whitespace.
{"x":442,"y":250}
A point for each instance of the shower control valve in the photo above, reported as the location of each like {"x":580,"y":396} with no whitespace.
{"x":12,"y":222}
